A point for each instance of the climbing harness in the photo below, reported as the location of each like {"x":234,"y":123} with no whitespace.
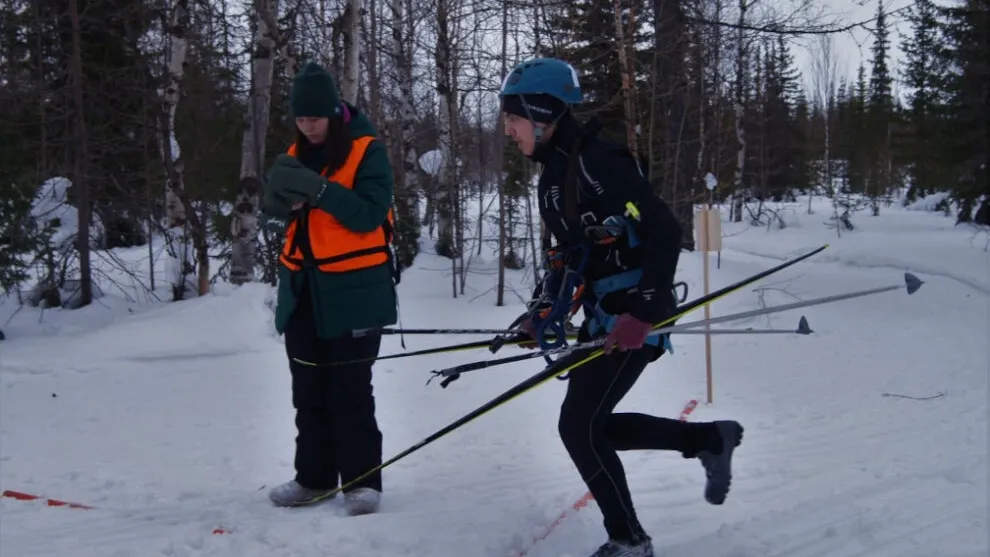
{"x":563,"y":289}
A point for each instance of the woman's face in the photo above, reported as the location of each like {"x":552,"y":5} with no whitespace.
{"x":314,"y":128}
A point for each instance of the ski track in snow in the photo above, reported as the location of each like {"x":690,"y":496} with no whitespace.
{"x":880,"y":261}
{"x":169,"y":448}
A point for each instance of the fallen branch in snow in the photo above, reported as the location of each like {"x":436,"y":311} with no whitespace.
{"x":895,"y":395}
{"x":785,"y":290}
{"x":138,"y":285}
{"x":979,"y":230}
{"x":16,"y":311}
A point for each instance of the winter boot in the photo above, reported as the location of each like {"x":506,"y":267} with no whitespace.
{"x":292,"y":494}
{"x":718,"y":467}
{"x":362,"y":500}
{"x":612,"y":548}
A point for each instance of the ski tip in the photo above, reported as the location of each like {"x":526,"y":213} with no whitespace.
{"x":803,"y":327}
{"x":912,"y":282}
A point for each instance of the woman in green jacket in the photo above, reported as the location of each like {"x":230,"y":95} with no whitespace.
{"x":336,"y":290}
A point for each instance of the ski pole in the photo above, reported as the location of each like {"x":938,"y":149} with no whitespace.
{"x":561,"y":367}
{"x":680,"y":299}
{"x":448,"y":331}
{"x":423,"y":352}
{"x":427,"y":351}
{"x":802,"y":329}
{"x":912,"y":283}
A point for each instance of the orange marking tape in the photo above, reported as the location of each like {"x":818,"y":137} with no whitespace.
{"x":21,"y":496}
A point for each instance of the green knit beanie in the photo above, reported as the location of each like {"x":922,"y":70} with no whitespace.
{"x":314,"y":93}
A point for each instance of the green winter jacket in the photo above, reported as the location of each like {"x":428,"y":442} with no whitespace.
{"x":360,"y":299}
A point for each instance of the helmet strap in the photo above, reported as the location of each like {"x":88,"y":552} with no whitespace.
{"x":537,"y":133}
{"x":537,"y":130}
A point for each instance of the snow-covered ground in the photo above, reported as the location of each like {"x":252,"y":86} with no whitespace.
{"x":172,"y":420}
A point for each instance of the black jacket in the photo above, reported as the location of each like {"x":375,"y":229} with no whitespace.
{"x":607,"y":177}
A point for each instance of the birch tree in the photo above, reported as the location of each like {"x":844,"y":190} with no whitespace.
{"x":500,"y":181}
{"x":406,"y":196}
{"x":739,"y":106}
{"x":446,"y":100}
{"x":824,"y":80}
{"x":352,"y":51}
{"x":244,"y":220}
{"x":176,"y":213}
{"x":178,"y":28}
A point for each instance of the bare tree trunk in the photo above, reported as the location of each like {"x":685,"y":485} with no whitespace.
{"x":445,"y":246}
{"x":670,"y":40}
{"x":407,"y":197}
{"x":628,"y":70}
{"x":482,"y":173}
{"x":80,"y":162}
{"x":326,"y":33}
{"x":244,"y":220}
{"x":352,"y":51}
{"x":702,"y":113}
{"x":500,"y":176}
{"x":740,"y":112}
{"x":372,"y":57}
{"x":177,"y":209}
{"x":716,"y":160}
{"x":825,"y":83}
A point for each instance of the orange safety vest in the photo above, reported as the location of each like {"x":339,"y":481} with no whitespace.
{"x":332,"y":247}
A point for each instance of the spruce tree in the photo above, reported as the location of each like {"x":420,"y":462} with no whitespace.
{"x":591,"y":49}
{"x":853,"y":128}
{"x":924,"y":75}
{"x":879,"y":115}
{"x":967,"y":28}
{"x":801,"y":149}
{"x":516,"y":187}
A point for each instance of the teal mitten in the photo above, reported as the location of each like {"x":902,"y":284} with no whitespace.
{"x":290,"y":180}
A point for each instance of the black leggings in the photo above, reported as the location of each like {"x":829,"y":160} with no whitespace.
{"x":592,"y":434}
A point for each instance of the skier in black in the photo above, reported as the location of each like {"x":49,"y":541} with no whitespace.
{"x":622,"y":242}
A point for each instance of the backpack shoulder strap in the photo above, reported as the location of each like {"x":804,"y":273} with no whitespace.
{"x":571,"y":188}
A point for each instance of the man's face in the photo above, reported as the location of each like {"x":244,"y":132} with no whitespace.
{"x":521,"y":131}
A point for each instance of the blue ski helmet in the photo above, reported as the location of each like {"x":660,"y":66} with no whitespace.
{"x":548,"y":76}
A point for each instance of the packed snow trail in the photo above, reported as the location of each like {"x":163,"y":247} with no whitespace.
{"x":175,"y":420}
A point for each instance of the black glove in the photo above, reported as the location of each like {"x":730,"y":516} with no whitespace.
{"x":293,"y":182}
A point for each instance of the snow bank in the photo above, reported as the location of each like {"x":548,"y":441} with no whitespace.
{"x":237,"y":319}
{"x":51,"y":208}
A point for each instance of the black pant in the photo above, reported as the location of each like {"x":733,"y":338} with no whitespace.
{"x":592,"y":434}
{"x":338,"y":437}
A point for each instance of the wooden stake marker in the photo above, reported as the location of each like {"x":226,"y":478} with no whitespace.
{"x":708,"y":238}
